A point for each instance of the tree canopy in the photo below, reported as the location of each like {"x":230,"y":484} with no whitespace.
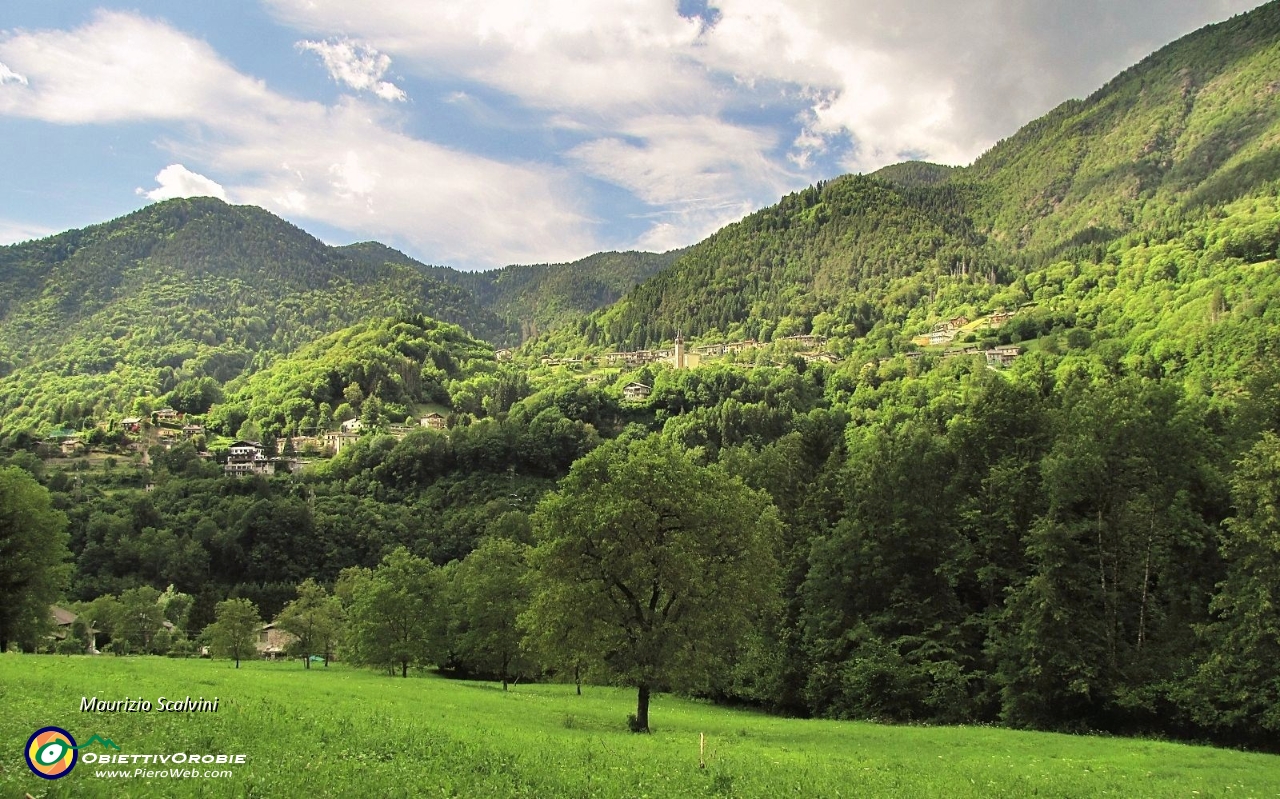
{"x":33,"y":558}
{"x":650,"y":567}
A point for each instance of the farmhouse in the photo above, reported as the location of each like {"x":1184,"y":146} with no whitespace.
{"x":635,"y":392}
{"x":336,"y":441}
{"x":998,"y":318}
{"x":167,"y":415}
{"x":1002,"y":355}
{"x":131,"y":424}
{"x":273,"y":641}
{"x":64,"y":624}
{"x":807,"y":340}
{"x":352,"y":426}
{"x":819,"y":357}
{"x":247,"y":457}
{"x":433,"y":421}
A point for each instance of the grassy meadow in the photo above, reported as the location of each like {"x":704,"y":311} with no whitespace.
{"x":347,"y":732}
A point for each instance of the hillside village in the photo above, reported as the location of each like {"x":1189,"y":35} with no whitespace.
{"x":167,"y":427}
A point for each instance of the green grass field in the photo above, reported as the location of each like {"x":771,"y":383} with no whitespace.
{"x":347,"y":732}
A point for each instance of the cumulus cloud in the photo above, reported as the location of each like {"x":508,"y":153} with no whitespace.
{"x":700,"y":172}
{"x":176,"y":180}
{"x":120,"y":67}
{"x":357,"y":66}
{"x":918,"y":78}
{"x":347,"y":165}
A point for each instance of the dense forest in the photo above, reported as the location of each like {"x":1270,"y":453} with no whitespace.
{"x":1083,"y":538}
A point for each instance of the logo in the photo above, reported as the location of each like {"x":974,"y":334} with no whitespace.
{"x":51,"y":753}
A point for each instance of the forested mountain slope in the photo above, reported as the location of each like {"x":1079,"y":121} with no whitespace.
{"x":1162,"y":147}
{"x":1192,"y":126}
{"x":533,"y":299}
{"x":195,"y":289}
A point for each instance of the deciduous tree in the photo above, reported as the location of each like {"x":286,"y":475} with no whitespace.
{"x":234,"y":632}
{"x":33,"y":557}
{"x":395,"y":615}
{"x":314,"y":619}
{"x":650,"y":567}
{"x":488,"y":593}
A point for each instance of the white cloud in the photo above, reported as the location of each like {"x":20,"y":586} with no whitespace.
{"x":120,"y":67}
{"x":9,"y":76}
{"x":346,"y":165}
{"x":356,"y":65}
{"x":13,"y":232}
{"x":592,"y":55}
{"x":177,"y":181}
{"x":699,"y":172}
{"x":671,"y":159}
{"x":917,"y":78}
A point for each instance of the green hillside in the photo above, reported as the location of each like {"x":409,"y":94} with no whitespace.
{"x":538,"y":298}
{"x":1156,"y":152}
{"x":92,"y":319}
{"x":382,"y":369}
{"x":914,"y":173}
{"x":1192,"y":126}
{"x":195,"y":290}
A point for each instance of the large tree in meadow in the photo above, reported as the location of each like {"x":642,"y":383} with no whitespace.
{"x":235,"y":629}
{"x":395,"y":612}
{"x":488,"y":593}
{"x":314,"y":619}
{"x":33,"y":557}
{"x":650,"y":567}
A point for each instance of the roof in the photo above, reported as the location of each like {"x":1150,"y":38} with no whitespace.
{"x":132,"y":420}
{"x":62,"y":616}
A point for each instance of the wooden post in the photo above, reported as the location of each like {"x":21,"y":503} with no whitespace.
{"x":702,"y":748}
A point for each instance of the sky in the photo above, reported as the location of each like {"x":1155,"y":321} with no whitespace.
{"x":494,"y":132}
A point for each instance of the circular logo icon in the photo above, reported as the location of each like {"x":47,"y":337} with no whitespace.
{"x":51,"y":753}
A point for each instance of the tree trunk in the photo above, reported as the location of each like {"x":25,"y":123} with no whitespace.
{"x":237,"y":660}
{"x":404,"y":668}
{"x":306,"y":661}
{"x":577,"y":678}
{"x":642,"y":708}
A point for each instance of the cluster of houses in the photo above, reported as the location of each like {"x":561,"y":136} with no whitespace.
{"x":249,"y":457}
{"x":682,"y":357}
{"x":945,"y":331}
{"x":999,"y":356}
